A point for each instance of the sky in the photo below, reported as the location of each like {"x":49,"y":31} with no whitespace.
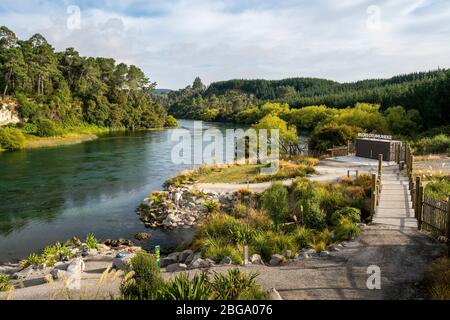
{"x":175,"y":41}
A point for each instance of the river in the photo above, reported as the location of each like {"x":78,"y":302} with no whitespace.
{"x":53,"y":194}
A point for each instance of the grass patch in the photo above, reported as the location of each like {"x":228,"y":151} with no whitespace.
{"x":437,"y":280}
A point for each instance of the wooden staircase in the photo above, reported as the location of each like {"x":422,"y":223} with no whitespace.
{"x":395,"y":207}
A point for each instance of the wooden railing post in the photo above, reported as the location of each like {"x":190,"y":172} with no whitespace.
{"x":420,"y":206}
{"x":380,"y":164}
{"x":447,"y":231}
{"x":373,"y":199}
{"x":417,"y":198}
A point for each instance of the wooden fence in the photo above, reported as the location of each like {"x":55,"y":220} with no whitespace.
{"x":432,"y":215}
{"x":376,"y":187}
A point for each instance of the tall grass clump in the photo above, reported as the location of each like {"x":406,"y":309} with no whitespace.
{"x":143,"y":280}
{"x":183,"y":288}
{"x":275,"y":202}
{"x":5,"y":285}
{"x":437,"y":280}
{"x":91,"y":241}
{"x":11,"y":139}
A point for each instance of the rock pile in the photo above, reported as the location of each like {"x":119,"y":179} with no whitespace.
{"x":163,"y":210}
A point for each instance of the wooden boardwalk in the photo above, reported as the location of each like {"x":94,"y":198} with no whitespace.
{"x":395,"y":206}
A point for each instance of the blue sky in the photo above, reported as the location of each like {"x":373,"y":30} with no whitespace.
{"x":175,"y":41}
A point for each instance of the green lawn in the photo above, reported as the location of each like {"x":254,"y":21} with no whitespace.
{"x":234,"y":174}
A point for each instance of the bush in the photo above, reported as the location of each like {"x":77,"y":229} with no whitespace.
{"x":33,"y":259}
{"x":217,"y":251}
{"x":308,"y":202}
{"x":11,"y":139}
{"x":270,"y":243}
{"x":328,"y":136}
{"x":46,"y":128}
{"x":218,"y":225}
{"x":275,"y":201}
{"x":437,"y":144}
{"x":143,"y":281}
{"x":171,"y":122}
{"x":346,"y":229}
{"x":91,"y":241}
{"x":4,"y":283}
{"x":303,"y":237}
{"x":236,"y":285}
{"x":54,"y":253}
{"x":353,"y":214}
{"x":181,"y":288}
{"x":438,"y":189}
{"x":320,"y":246}
{"x":437,"y":280}
{"x":211,"y":206}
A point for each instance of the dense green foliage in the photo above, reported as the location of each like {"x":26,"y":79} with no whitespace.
{"x":426,"y":92}
{"x":67,"y":88}
{"x":437,"y":144}
{"x":4,"y":283}
{"x":144,"y":281}
{"x":11,"y":139}
{"x":275,"y":201}
{"x":438,"y":188}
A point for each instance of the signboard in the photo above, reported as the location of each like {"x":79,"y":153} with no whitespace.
{"x":375,"y":136}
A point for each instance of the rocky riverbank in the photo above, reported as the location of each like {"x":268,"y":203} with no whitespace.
{"x":185,"y":206}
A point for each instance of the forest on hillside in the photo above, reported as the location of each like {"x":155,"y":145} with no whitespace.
{"x":426,"y":92}
{"x":66,"y":89}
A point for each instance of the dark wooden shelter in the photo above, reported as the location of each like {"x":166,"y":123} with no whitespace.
{"x":372,"y":145}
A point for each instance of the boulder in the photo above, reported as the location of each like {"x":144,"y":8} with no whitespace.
{"x":288,"y":254}
{"x":141,"y":236}
{"x":76,"y":266}
{"x":9,"y":269}
{"x":176,"y":267}
{"x":256,"y":259}
{"x":324,"y":253}
{"x":164,"y":262}
{"x":274,"y":294}
{"x":58,"y":274}
{"x":23,"y":274}
{"x":277,"y":259}
{"x":226,"y":261}
{"x":76,"y":241}
{"x":61,"y":265}
{"x":302,"y":255}
{"x":122,"y":261}
{"x":201,"y":263}
{"x":192,"y":257}
{"x":184,"y":255}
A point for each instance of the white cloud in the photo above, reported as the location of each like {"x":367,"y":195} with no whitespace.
{"x":220,"y":40}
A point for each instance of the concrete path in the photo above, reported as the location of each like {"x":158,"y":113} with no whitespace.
{"x":395,"y":206}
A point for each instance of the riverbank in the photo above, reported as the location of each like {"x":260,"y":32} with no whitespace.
{"x":69,"y":139}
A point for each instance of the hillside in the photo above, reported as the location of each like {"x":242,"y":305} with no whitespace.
{"x":427,"y":92}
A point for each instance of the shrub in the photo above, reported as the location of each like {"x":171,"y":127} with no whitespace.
{"x":54,"y":253}
{"x":171,"y":122}
{"x":303,"y":236}
{"x":320,"y":246}
{"x":324,"y":236}
{"x":325,"y":137}
{"x":270,"y":243}
{"x":275,"y":201}
{"x":438,"y":189}
{"x":218,"y":225}
{"x":181,"y":288}
{"x":4,"y":283}
{"x":157,"y":197}
{"x":217,"y":252}
{"x":307,"y":201}
{"x":364,"y":181}
{"x":437,"y":280}
{"x":91,"y":241}
{"x":353,"y":214}
{"x":46,"y":128}
{"x":438,"y":144}
{"x":236,"y":285}
{"x":143,"y":281}
{"x":211,"y":206}
{"x":346,"y":229}
{"x":11,"y":139}
{"x":33,"y":259}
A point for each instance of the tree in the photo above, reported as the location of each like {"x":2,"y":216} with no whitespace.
{"x":288,"y":134}
{"x":332,"y":135}
{"x":275,"y":201}
{"x":402,"y":122}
